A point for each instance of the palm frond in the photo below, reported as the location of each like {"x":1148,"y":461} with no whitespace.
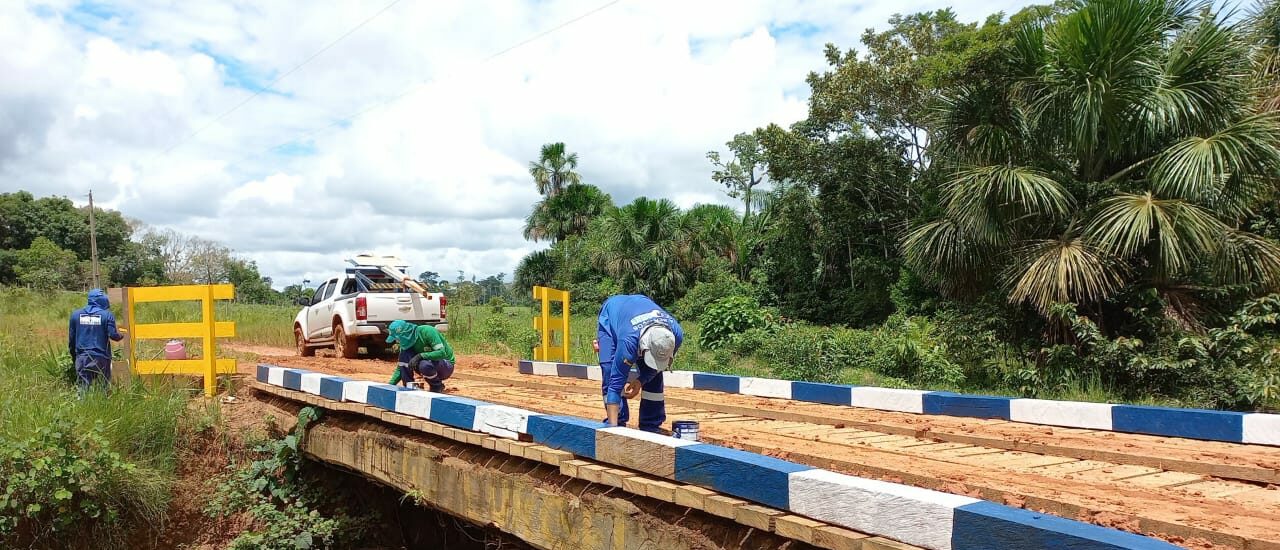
{"x":1248,"y":260}
{"x":1203,"y":81}
{"x":1058,"y":271}
{"x":1217,"y":170}
{"x":943,"y":251}
{"x":988,"y":199}
{"x":1175,"y":232}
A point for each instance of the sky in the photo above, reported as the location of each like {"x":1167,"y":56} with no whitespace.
{"x":302,"y":133}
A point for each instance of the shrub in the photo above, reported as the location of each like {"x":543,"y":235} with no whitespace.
{"x":728,"y":317}
{"x":720,"y":285}
{"x":497,"y":304}
{"x":273,"y":493}
{"x":908,"y":348}
{"x":797,"y":352}
{"x":520,"y":337}
{"x":61,"y":488}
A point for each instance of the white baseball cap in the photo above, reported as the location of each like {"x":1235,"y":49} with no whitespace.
{"x":659,"y":347}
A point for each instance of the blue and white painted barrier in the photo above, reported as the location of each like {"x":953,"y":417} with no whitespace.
{"x":1232,"y":427}
{"x":922,"y":517}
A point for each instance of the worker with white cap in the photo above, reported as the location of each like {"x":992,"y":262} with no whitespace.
{"x":633,"y":331}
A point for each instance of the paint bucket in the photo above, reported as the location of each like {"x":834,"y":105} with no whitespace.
{"x":174,"y":350}
{"x":684,"y":429}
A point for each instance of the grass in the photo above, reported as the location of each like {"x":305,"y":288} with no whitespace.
{"x":468,"y":334}
{"x":138,"y":424}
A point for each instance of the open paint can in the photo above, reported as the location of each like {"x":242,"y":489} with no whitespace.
{"x":684,"y":429}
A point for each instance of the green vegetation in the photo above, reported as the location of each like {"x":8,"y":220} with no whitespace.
{"x":44,"y":244}
{"x":281,"y":500}
{"x":77,"y":472}
{"x":1074,"y":201}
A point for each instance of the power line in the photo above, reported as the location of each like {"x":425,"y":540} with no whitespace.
{"x":382,"y":103}
{"x":286,"y":74}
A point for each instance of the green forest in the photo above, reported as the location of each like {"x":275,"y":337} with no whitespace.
{"x":1078,"y":199}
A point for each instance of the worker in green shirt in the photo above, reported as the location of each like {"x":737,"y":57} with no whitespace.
{"x":422,"y":350}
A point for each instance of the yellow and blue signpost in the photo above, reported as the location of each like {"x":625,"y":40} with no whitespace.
{"x":208,"y":330}
{"x":546,"y":325}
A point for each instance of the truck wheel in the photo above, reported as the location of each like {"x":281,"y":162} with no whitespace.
{"x":347,"y":348}
{"x":303,"y":350}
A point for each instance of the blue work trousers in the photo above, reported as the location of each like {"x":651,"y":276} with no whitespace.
{"x":653,"y":406}
{"x":435,"y":371}
{"x":90,"y":369}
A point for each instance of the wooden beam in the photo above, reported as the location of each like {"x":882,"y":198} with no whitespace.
{"x":797,"y":527}
{"x":831,"y":537}
{"x":757,"y":516}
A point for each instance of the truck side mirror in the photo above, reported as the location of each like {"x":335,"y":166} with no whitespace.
{"x":303,"y":301}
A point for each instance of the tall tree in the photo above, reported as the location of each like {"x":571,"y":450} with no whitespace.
{"x":554,"y":169}
{"x":429,"y":278}
{"x":46,"y":266}
{"x":745,"y":169}
{"x":1122,"y":152}
{"x":888,"y":90}
{"x":647,"y":246}
{"x":1263,"y":26}
{"x":250,"y":285}
{"x":567,"y":213}
{"x":539,"y":268}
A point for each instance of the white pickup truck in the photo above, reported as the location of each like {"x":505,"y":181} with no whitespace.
{"x":353,"y":310}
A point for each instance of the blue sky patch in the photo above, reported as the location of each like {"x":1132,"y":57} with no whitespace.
{"x":296,"y":149}
{"x":237,"y":73}
{"x":89,"y":15}
{"x":802,"y":29}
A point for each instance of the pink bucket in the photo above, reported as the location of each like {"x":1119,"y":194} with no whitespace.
{"x":174,"y":350}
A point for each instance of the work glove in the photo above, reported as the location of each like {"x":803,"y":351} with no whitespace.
{"x":417,"y":360}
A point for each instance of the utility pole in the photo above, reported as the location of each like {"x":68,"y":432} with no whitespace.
{"x":93,"y":241}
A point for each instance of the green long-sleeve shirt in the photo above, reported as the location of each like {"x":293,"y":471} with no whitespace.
{"x":429,"y":343}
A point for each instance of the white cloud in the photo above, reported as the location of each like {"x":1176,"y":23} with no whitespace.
{"x":95,"y":94}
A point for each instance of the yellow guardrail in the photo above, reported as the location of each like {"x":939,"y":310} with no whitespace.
{"x":546,"y":325}
{"x":208,"y":330}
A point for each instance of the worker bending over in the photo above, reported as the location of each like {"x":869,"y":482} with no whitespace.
{"x":87,"y":334}
{"x":633,"y":331}
{"x":422,"y":350}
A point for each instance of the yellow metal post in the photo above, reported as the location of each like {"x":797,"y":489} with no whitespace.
{"x":564,"y":327}
{"x":132,"y":327}
{"x":210,"y":345}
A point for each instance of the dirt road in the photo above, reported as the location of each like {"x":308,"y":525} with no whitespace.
{"x":1194,"y":493}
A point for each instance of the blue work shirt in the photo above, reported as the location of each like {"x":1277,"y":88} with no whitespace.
{"x":622,"y":319}
{"x":91,"y":326}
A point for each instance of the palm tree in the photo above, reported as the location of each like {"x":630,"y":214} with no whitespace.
{"x":537,"y":269}
{"x":554,"y":169}
{"x":1125,"y":149}
{"x":1264,"y":33}
{"x":565,"y":214}
{"x":647,"y":246}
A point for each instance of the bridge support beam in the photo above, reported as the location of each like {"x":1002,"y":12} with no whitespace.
{"x":525,"y":498}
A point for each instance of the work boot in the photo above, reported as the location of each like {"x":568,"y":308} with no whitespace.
{"x":437,"y":387}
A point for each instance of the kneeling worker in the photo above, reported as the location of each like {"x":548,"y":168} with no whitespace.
{"x":633,"y":331}
{"x":422,"y":350}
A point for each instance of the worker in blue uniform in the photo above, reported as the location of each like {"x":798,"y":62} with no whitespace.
{"x":633,"y":331}
{"x":87,"y":333}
